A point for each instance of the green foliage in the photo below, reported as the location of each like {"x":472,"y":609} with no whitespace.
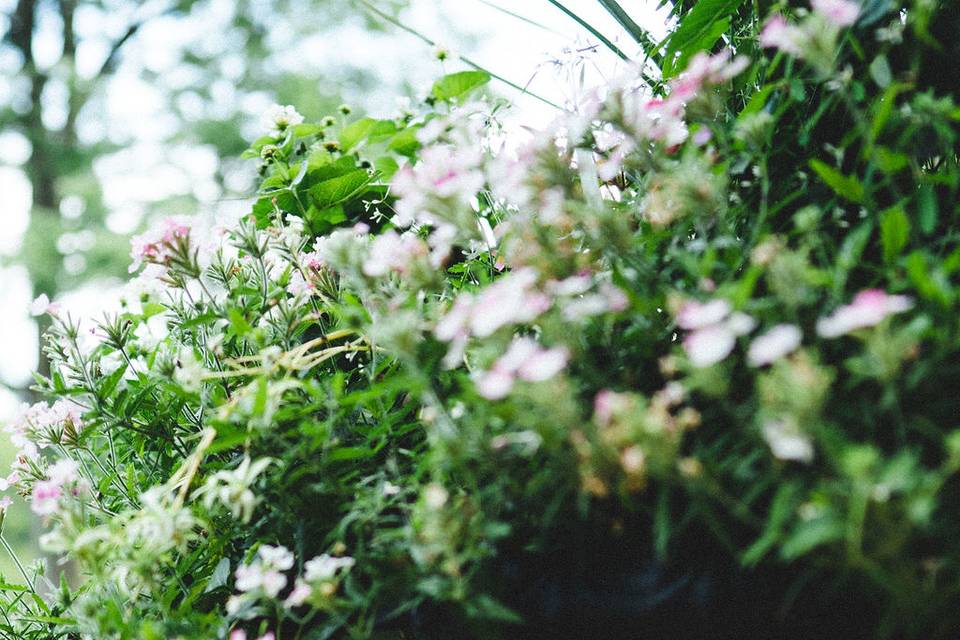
{"x":674,"y":351}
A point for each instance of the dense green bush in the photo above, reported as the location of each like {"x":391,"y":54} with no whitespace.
{"x":680,"y":362}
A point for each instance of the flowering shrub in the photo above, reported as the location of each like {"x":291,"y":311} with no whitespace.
{"x":674,"y":347}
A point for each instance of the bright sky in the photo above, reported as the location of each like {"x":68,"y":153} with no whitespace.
{"x":539,"y":57}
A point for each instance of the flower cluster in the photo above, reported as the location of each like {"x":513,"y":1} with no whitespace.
{"x":689,"y":319}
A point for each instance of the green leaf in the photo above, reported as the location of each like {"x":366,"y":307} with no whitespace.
{"x":332,"y":192}
{"x":894,"y":232}
{"x":405,"y":142}
{"x":457,"y":85}
{"x":809,"y":535}
{"x":927,"y":201}
{"x":880,"y":71}
{"x":369,"y":129}
{"x":221,"y":573}
{"x":240,"y":325}
{"x":845,"y":186}
{"x":699,"y":30}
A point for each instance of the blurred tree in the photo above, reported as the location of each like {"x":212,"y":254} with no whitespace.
{"x":221,"y":63}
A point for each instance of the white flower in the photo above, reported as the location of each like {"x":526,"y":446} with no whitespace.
{"x":787,"y":441}
{"x":773,"y":345}
{"x":278,"y":557}
{"x":494,"y":385}
{"x":42,"y":305}
{"x":273,"y":583}
{"x":391,"y":251}
{"x":697,"y":315}
{"x":325,"y":567}
{"x":63,"y":471}
{"x":249,"y":576}
{"x":709,"y":345}
{"x":301,"y":591}
{"x":869,"y":308}
{"x":276,"y":119}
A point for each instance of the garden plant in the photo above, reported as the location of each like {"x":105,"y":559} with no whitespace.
{"x":685,"y":363}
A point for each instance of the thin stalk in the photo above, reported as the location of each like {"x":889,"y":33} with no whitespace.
{"x":466,"y":60}
{"x":589,"y":27}
{"x":520,"y":17}
{"x":16,"y":561}
{"x":635,"y":31}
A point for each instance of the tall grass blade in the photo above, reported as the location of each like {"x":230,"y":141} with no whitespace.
{"x":635,"y":31}
{"x":589,"y":27}
{"x":400,"y":25}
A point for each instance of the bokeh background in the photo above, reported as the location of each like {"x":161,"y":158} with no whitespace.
{"x":114,"y":113}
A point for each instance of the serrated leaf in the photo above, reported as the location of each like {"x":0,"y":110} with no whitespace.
{"x":332,"y":192}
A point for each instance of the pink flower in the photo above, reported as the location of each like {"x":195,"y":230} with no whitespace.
{"x":607,"y":404}
{"x":777,"y":33}
{"x":42,"y":305}
{"x":155,"y":245}
{"x":5,"y":503}
{"x":494,"y":385}
{"x":301,"y":591}
{"x":697,"y":315}
{"x":869,"y":308}
{"x":267,"y":636}
{"x":524,"y":359}
{"x":45,"y":499}
{"x":510,"y":300}
{"x":841,"y":13}
{"x":706,"y":70}
{"x":391,"y":251}
{"x":238,"y":634}
{"x":299,"y":285}
{"x":709,"y":345}
{"x":773,"y":345}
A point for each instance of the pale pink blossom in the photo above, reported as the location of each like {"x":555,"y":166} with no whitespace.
{"x":299,"y":285}
{"x":607,"y":404}
{"x":445,"y":172}
{"x":45,"y":499}
{"x":42,"y":305}
{"x":525,"y":360}
{"x":777,"y":33}
{"x":709,"y":345}
{"x":5,"y":503}
{"x":869,"y":308}
{"x":156,"y":244}
{"x":697,"y":315}
{"x":706,"y":70}
{"x":301,"y":591}
{"x":391,"y":251}
{"x":238,"y":634}
{"x":841,"y":13}
{"x":494,"y":385}
{"x":787,"y":441}
{"x":543,"y":364}
{"x":773,"y":345}
{"x":267,"y":636}
{"x":510,"y":300}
